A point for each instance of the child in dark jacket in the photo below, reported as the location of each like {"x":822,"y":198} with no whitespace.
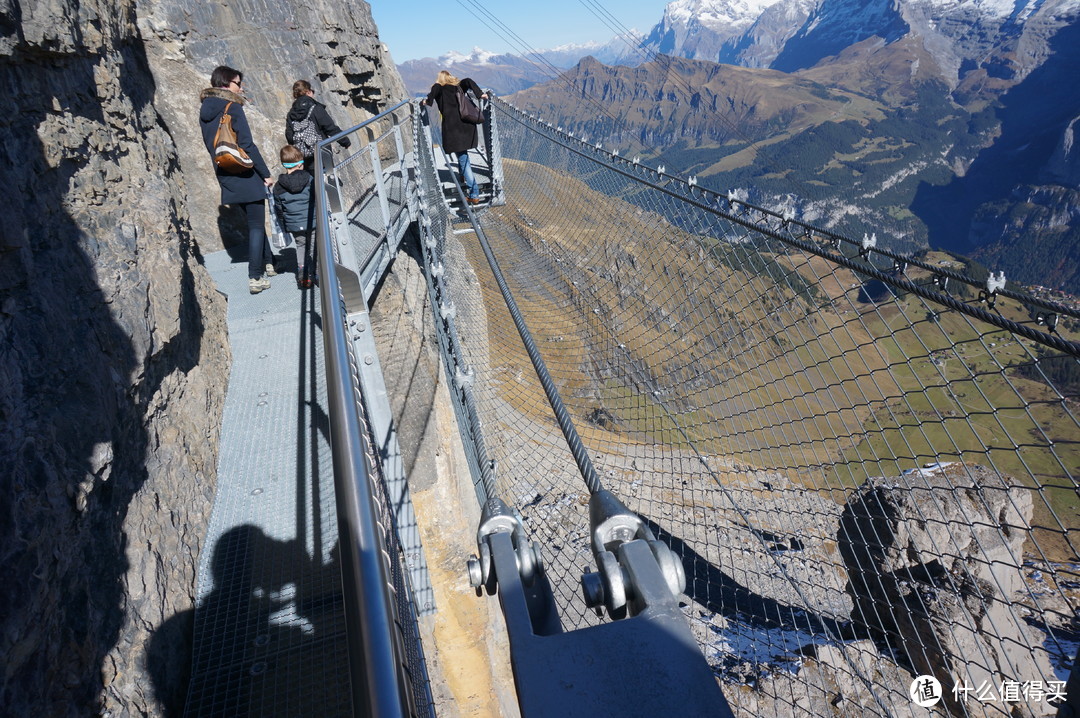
{"x":294,"y":200}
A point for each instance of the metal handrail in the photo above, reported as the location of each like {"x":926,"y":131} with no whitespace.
{"x":375,"y":652}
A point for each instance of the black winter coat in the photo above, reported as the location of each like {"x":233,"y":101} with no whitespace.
{"x":294,"y":201}
{"x":457,"y":136}
{"x":247,"y":186}
{"x":326,"y":125}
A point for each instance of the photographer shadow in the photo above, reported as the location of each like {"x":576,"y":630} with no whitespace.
{"x":273,"y":619}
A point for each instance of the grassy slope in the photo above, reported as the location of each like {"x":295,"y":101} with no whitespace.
{"x":774,"y":378}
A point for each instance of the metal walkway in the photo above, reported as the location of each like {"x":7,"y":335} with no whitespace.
{"x":271,"y":614}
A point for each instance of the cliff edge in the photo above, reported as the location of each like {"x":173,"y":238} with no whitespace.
{"x":113,"y":346}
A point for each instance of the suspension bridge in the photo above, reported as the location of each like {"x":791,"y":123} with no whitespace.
{"x":724,"y":461}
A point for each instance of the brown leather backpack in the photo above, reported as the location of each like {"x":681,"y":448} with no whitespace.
{"x":229,"y":156}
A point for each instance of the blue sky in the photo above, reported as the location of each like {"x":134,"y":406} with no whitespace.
{"x":430,"y":28}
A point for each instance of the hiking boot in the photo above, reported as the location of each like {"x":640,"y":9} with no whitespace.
{"x":474,"y":200}
{"x":270,"y":271}
{"x":258,"y":285}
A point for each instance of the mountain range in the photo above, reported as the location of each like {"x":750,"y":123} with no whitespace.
{"x":507,"y":73}
{"x":929,"y":122}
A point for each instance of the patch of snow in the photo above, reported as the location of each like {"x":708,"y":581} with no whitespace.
{"x":739,"y":651}
{"x":1062,"y":652}
{"x":478,"y":56}
{"x":716,"y":14}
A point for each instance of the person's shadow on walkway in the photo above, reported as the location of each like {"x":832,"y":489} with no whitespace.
{"x":262,"y":633}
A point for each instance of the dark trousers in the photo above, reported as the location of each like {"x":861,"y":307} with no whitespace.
{"x":258,"y":245}
{"x":305,"y":253}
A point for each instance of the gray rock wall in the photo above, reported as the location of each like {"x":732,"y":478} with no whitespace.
{"x":112,"y":353}
{"x":113,"y":347}
{"x":332,"y":45}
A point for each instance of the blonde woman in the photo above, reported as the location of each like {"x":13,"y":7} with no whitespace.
{"x":458,"y":137}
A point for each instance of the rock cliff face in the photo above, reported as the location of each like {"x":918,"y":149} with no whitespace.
{"x":113,"y":348}
{"x":333,"y":45}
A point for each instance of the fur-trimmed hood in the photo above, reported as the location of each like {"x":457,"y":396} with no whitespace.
{"x":214,"y":102}
{"x":221,"y":92}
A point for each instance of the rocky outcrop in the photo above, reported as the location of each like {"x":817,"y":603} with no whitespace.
{"x":940,"y":594}
{"x":113,"y":347}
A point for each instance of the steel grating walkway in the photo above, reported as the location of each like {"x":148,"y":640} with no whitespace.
{"x":269,"y":623}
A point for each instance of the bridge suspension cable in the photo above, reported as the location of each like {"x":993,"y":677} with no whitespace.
{"x":566,"y":424}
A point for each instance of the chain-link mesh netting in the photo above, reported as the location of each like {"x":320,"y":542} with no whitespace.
{"x":368,"y":186}
{"x":867,"y":466}
{"x":367,"y":189}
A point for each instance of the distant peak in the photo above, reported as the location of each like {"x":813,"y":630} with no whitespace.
{"x":715,"y":14}
{"x":571,"y":46}
{"x":478,"y":56}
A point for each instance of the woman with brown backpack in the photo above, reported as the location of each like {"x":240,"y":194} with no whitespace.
{"x":238,"y":165}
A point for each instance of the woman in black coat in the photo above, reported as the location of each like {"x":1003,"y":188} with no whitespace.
{"x":247,"y":189}
{"x":305,"y":106}
{"x":458,"y":137}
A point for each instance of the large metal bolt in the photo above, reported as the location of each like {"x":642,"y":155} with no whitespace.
{"x":670,"y":566}
{"x":615,"y":584}
{"x":592,"y":588}
{"x":476,"y":574}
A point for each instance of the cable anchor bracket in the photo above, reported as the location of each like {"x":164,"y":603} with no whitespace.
{"x":618,"y":539}
{"x":498,"y":518}
{"x":994,"y":284}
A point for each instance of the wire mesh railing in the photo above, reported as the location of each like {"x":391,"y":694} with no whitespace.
{"x":867,"y":463}
{"x":365,"y":196}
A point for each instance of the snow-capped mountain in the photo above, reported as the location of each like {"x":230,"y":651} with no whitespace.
{"x":478,"y":56}
{"x":507,"y":73}
{"x":620,"y":50}
{"x":1006,"y":40}
{"x":947,"y":122}
{"x":737,"y":32}
{"x":789,"y":35}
